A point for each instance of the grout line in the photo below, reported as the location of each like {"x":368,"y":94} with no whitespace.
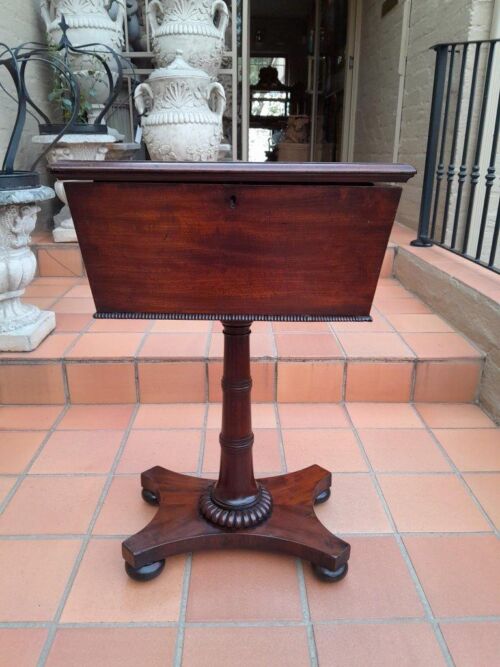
{"x":402,"y":548}
{"x":208,"y":343}
{"x":302,"y":358}
{"x":4,"y":504}
{"x":409,"y":620}
{"x":140,"y":345}
{"x":64,"y":370}
{"x":76,"y":566}
{"x":203,"y":440}
{"x":426,"y":604}
{"x":206,"y":382}
{"x":274,"y":361}
{"x":306,"y":614}
{"x":344,"y":535}
{"x":195,"y":428}
{"x":413,"y":380}
{"x":275,"y":381}
{"x":304,"y":602}
{"x":478,"y":503}
{"x":343,"y":391}
{"x":79,"y":335}
{"x":137,"y":386}
{"x":179,"y":644}
{"x":458,"y":474}
{"x":136,"y":362}
{"x":281,"y":444}
{"x":24,"y":624}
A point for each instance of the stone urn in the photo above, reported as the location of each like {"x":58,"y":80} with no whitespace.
{"x":89,"y":23}
{"x":181,"y":113}
{"x":196,"y":27}
{"x":72,"y":147}
{"x":22,"y":326}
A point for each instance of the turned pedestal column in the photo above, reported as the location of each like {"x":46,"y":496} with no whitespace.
{"x":237,"y":511}
{"x":236,"y":500}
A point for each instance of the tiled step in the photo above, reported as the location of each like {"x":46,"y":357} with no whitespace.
{"x":56,"y":260}
{"x":407,"y":353}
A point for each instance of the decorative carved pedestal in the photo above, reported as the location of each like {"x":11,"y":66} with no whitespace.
{"x":72,"y":147}
{"x":22,"y":326}
{"x":237,"y":511}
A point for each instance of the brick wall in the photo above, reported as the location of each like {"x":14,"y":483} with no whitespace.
{"x":378,"y":83}
{"x":431,"y":21}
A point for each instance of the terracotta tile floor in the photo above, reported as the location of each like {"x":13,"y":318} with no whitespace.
{"x":415,"y":492}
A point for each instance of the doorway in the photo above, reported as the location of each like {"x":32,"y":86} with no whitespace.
{"x":296,"y":78}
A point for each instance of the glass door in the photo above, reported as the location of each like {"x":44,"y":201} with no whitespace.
{"x":293,"y":73}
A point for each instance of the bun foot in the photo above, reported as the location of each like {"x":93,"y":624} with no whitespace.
{"x":322,"y":497}
{"x":330,"y":576}
{"x":292,"y":527}
{"x":150,"y":497}
{"x":146,"y":572}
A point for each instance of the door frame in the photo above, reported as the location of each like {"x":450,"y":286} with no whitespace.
{"x":350,"y":86}
{"x":353,"y":45}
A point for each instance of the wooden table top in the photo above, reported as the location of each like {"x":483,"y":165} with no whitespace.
{"x":231,"y":172}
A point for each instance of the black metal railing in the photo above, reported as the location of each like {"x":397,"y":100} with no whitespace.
{"x":460,"y":199}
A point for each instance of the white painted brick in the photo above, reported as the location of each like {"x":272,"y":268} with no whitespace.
{"x":431,"y":22}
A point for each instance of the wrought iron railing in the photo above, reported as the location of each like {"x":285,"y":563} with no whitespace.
{"x":460,"y":198}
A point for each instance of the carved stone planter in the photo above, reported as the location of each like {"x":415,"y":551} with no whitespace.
{"x":22,"y":326}
{"x":72,"y":147}
{"x":196,"y":27}
{"x":89,"y":23}
{"x":181,"y":113}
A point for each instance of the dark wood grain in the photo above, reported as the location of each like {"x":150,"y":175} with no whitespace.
{"x":279,"y":241}
{"x":235,"y":172}
{"x":275,"y":250}
{"x":236,"y":500}
{"x":292,"y":527}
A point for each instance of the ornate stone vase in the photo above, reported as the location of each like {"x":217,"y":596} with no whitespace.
{"x":89,"y":23}
{"x":197,"y":27}
{"x":22,"y":326}
{"x":72,"y":147}
{"x":181,"y":113}
{"x":88,"y":20}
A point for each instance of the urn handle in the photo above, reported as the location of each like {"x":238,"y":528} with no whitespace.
{"x":143,"y":98}
{"x":47,"y":10}
{"x":215,"y":90}
{"x":156,"y":14}
{"x":220,"y":15}
{"x":120,"y":10}
{"x":60,"y":192}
